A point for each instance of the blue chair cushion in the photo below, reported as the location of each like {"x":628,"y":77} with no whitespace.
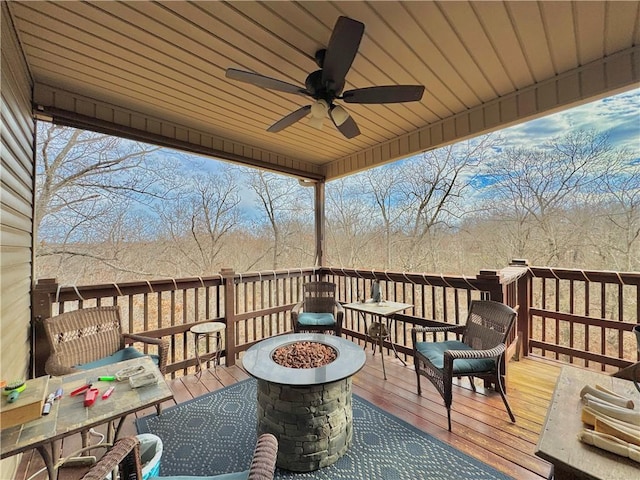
{"x":434,"y":351}
{"x":310,"y":319}
{"x":127,"y":353}
{"x":225,"y":476}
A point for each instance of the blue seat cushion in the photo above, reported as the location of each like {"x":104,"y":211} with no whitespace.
{"x":434,"y":351}
{"x":127,"y":353}
{"x":225,"y":476}
{"x":310,"y":319}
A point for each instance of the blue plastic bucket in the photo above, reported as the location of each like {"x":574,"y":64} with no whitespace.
{"x":150,"y":454}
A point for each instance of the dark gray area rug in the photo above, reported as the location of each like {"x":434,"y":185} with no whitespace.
{"x":216,"y":433}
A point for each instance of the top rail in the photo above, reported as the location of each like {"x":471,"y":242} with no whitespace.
{"x":575,"y":316}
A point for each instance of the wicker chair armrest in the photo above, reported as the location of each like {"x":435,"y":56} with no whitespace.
{"x":451,"y":355}
{"x":473,"y":354}
{"x":442,"y":327}
{"x":297,"y":308}
{"x":162,"y":344}
{"x":125,"y":449}
{"x":339,"y":309}
{"x":450,"y":328}
{"x":55,"y":367}
{"x":264,"y":459}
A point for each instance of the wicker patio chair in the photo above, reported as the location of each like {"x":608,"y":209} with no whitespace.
{"x":318,"y":311}
{"x":126,"y":454}
{"x":478,"y":354}
{"x":93,"y":337}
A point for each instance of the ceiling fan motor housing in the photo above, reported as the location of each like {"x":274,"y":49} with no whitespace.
{"x":326,"y":85}
{"x":319,"y":91}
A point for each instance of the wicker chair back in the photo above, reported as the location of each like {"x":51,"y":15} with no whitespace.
{"x":487,"y":325}
{"x":85,"y":335}
{"x":319,"y":297}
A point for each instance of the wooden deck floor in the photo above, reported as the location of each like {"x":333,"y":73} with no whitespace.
{"x":481,"y":426}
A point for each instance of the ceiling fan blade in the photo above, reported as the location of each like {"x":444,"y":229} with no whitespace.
{"x":348,"y":128}
{"x":342,"y":49}
{"x":384,"y":94}
{"x":290,"y":119}
{"x":265,"y":82}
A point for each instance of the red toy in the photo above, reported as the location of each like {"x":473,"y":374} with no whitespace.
{"x":90,"y":396}
{"x":81,"y":389}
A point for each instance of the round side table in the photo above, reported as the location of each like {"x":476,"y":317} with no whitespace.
{"x":207,"y":330}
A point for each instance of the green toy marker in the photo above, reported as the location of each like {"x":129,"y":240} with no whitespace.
{"x":109,"y":378}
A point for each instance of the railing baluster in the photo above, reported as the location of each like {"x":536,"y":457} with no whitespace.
{"x":603,"y":314}
{"x":556,"y":304}
{"x":620,"y":319}
{"x":571,"y":310}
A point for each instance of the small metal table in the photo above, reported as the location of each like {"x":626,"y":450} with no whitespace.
{"x":206,"y":330}
{"x":384,"y":309}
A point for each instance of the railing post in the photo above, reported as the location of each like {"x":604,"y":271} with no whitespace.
{"x":491,"y":283}
{"x":524,"y":296}
{"x":42,"y":302}
{"x":228,"y":275}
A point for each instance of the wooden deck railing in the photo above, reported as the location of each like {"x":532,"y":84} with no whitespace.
{"x":436,"y":297}
{"x":256,"y":305}
{"x":581,"y":316}
{"x":253,"y":306}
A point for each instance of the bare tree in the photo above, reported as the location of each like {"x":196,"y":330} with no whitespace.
{"x":435,"y":186}
{"x":287,"y":211}
{"x":386,"y":187}
{"x":201,"y":214}
{"x":534,"y":189}
{"x":85,"y":184}
{"x":350,"y":223}
{"x":619,"y":239}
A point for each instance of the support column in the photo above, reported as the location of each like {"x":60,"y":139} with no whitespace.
{"x":524,"y":298}
{"x":319,"y":221}
{"x":42,"y":301}
{"x":491,"y":283}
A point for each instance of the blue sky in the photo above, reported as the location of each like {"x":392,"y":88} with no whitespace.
{"x":618,"y":115}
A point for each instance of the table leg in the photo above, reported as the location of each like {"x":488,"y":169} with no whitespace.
{"x":118,"y":428}
{"x":393,"y":345}
{"x":381,"y":337}
{"x":196,"y":338}
{"x":218,"y":348}
{"x":111,"y":436}
{"x":52,"y":471}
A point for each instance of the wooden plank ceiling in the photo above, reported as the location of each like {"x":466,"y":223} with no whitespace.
{"x":156,"y":71}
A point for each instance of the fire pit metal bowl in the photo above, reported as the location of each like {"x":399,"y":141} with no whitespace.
{"x":307,"y":409}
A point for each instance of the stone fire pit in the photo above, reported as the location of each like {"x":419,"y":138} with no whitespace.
{"x":307,"y":409}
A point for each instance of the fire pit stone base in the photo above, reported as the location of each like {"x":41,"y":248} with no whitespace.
{"x":313,"y":423}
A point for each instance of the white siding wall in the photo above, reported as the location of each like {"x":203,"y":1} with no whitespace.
{"x":16,"y":214}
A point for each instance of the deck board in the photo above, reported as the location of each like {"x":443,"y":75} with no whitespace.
{"x":480,"y":424}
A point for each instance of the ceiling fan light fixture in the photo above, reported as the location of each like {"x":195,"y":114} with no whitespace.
{"x":316,"y":122}
{"x":339,"y":115}
{"x":319,"y":109}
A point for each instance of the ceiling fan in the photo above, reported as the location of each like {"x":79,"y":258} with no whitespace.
{"x":326,"y":85}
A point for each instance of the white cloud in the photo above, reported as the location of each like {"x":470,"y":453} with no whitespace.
{"x":619,"y":116}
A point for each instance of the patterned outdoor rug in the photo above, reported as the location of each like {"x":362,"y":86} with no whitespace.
{"x":216,"y":433}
